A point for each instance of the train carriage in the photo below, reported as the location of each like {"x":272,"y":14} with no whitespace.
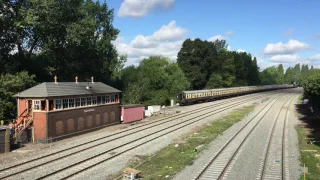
{"x":194,"y":96}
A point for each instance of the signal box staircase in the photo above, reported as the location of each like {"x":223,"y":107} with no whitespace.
{"x":23,"y":121}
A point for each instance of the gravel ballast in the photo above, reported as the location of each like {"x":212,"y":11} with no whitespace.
{"x":105,"y":169}
{"x":247,"y":163}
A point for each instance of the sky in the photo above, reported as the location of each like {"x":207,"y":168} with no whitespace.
{"x":274,"y":31}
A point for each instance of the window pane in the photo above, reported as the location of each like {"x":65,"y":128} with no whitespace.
{"x":99,"y":100}
{"x":107,"y":99}
{"x":57,"y":104}
{"x":83,"y":101}
{"x":112,"y":99}
{"x":103,"y":99}
{"x":89,"y":101}
{"x":117,"y":98}
{"x":65,"y":103}
{"x":77,"y":102}
{"x":71,"y":103}
{"x":94,"y":100}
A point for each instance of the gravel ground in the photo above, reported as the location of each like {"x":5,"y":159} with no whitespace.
{"x":190,"y":172}
{"x":62,"y":163}
{"x":293,"y":153}
{"x":249,"y":159}
{"x":31,"y":150}
{"x":108,"y":168}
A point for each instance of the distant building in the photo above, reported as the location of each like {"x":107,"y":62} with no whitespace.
{"x":60,"y":109}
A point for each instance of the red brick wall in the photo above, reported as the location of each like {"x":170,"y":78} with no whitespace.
{"x":22,"y":106}
{"x":40,"y":125}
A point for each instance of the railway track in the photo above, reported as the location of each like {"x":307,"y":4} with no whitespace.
{"x":106,"y":153}
{"x":276,"y":141}
{"x":220,"y":162}
{"x":138,"y":128}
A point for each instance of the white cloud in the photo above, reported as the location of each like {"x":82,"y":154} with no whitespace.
{"x":291,"y":47}
{"x":229,"y":48}
{"x":315,"y":57}
{"x":241,"y":50}
{"x":217,"y":37}
{"x":262,"y":64}
{"x":166,"y":42}
{"x":285,"y":58}
{"x":221,"y":37}
{"x":140,"y":8}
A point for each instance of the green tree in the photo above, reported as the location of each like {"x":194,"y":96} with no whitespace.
{"x":63,"y":38}
{"x":11,"y":84}
{"x":311,"y":86}
{"x":156,"y":81}
{"x":224,"y":76}
{"x":280,"y":76}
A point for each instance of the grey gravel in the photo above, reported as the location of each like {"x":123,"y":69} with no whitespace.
{"x":192,"y":171}
{"x":248,"y":161}
{"x":110,"y":167}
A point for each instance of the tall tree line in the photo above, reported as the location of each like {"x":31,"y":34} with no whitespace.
{"x":210,"y":65}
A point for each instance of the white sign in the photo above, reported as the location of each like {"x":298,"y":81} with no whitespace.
{"x":88,"y":110}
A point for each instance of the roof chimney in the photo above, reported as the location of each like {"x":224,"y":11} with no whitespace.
{"x":92,"y":79}
{"x":76,"y":79}
{"x":55,"y":79}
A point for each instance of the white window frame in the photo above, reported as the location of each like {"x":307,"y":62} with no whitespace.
{"x":108,"y":99}
{"x":36,"y":102}
{"x":89,"y":100}
{"x":57,"y":102}
{"x":65,"y":101}
{"x":84,"y":101}
{"x":103,"y":100}
{"x":71,"y":103}
{"x":112,"y":98}
{"x":94,"y":100}
{"x":77,"y":100}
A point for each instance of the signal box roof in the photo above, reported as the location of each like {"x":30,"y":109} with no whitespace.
{"x":52,"y":89}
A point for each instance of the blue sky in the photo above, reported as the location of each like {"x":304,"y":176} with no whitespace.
{"x":158,"y":27}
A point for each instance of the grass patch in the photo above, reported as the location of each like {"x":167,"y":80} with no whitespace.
{"x":173,"y":158}
{"x":309,"y":153}
{"x":299,"y":100}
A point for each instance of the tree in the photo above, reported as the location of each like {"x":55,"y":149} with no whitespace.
{"x":63,"y":38}
{"x":280,"y":76}
{"x":11,"y":84}
{"x":311,"y":86}
{"x":224,"y":76}
{"x":156,"y":80}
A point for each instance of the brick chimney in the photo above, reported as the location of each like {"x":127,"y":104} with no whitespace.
{"x":55,"y":79}
{"x":76,"y":78}
{"x":92,"y":79}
